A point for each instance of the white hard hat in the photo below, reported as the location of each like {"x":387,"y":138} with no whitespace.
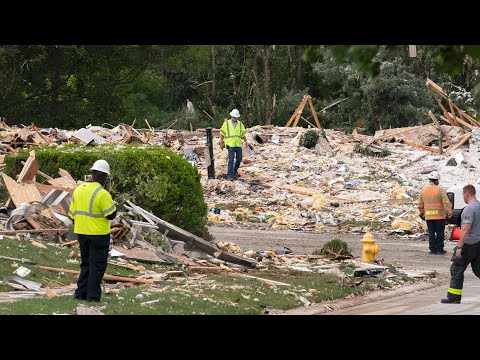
{"x":434,"y":175}
{"x":102,"y":166}
{"x":235,"y":113}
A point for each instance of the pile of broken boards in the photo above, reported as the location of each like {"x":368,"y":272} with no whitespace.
{"x":42,"y":208}
{"x":13,"y":137}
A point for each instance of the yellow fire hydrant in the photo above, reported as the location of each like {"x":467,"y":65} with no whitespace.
{"x":369,"y":248}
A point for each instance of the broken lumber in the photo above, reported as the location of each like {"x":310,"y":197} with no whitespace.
{"x":32,"y":231}
{"x":26,"y":261}
{"x":420,"y":146}
{"x":268,"y":281}
{"x":105,"y":277}
{"x":29,"y":170}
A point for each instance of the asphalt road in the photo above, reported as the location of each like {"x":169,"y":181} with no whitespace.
{"x":401,"y":252}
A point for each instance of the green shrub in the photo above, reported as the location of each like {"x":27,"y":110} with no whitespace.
{"x":309,"y":139}
{"x":371,"y":151}
{"x":154,"y":178}
{"x":335,"y":246}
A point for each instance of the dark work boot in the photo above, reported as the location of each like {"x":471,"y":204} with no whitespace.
{"x":452,"y":299}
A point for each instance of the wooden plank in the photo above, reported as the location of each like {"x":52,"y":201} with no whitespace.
{"x":436,"y":88}
{"x":308,"y":122}
{"x":314,"y":112}
{"x":465,"y":124}
{"x":234,"y":258}
{"x":437,"y":124}
{"x":469,"y":118}
{"x":268,"y":281}
{"x":44,"y":188}
{"x":21,"y":193}
{"x":439,"y":102}
{"x":65,"y":174}
{"x":457,"y":145}
{"x":105,"y":277}
{"x":29,"y":170}
{"x":420,"y":146}
{"x":32,"y":231}
{"x":299,"y":112}
{"x":293,"y":115}
{"x":452,"y":113}
{"x":204,"y":268}
{"x":26,"y":261}
{"x":40,"y":172}
{"x":389,"y":134}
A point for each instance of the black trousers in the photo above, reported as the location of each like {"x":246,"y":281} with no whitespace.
{"x":94,"y":255}
{"x":436,"y":235}
{"x":470,"y":255}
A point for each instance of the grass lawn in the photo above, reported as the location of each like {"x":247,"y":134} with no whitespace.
{"x":220,"y":294}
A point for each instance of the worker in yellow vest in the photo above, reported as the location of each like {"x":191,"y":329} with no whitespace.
{"x":231,"y":134}
{"x":434,"y":207}
{"x":91,"y":210}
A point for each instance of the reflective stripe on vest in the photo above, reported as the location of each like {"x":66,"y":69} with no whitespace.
{"x":88,"y":209}
{"x":234,"y":137}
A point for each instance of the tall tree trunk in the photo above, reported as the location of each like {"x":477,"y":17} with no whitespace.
{"x":297,"y":81}
{"x":54,"y":59}
{"x":266,"y":59}
{"x":257,"y":87}
{"x":213,"y":93}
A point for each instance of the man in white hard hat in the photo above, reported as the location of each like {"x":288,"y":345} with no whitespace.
{"x":91,"y":209}
{"x":231,"y":134}
{"x":434,"y":207}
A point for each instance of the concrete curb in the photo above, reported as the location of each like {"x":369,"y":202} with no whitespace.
{"x":329,"y":307}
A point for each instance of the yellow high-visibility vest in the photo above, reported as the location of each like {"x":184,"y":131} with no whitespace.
{"x":233,"y":136}
{"x":91,"y":203}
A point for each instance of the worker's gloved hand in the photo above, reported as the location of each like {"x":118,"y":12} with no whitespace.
{"x":422,"y":216}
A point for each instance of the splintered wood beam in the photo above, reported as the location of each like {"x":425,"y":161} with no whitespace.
{"x":29,"y":170}
{"x":48,"y":177}
{"x":314,"y":112}
{"x":446,"y":120}
{"x":420,"y":146}
{"x":294,"y":115}
{"x":464,"y":123}
{"x":468,"y":117}
{"x":300,"y":110}
{"x":439,"y":102}
{"x":106,"y":276}
{"x":297,"y":112}
{"x":452,"y":112}
{"x":21,"y":193}
{"x":307,"y":121}
{"x":462,"y":141}
{"x":66,"y":174}
{"x":437,"y":124}
{"x":437,"y":88}
{"x":32,"y":231}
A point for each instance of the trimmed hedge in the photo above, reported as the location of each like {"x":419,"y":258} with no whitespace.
{"x":154,"y":178}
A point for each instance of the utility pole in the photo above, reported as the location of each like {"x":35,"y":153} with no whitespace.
{"x":209,"y":159}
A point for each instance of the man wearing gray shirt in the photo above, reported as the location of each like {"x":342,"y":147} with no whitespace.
{"x":468,"y":248}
